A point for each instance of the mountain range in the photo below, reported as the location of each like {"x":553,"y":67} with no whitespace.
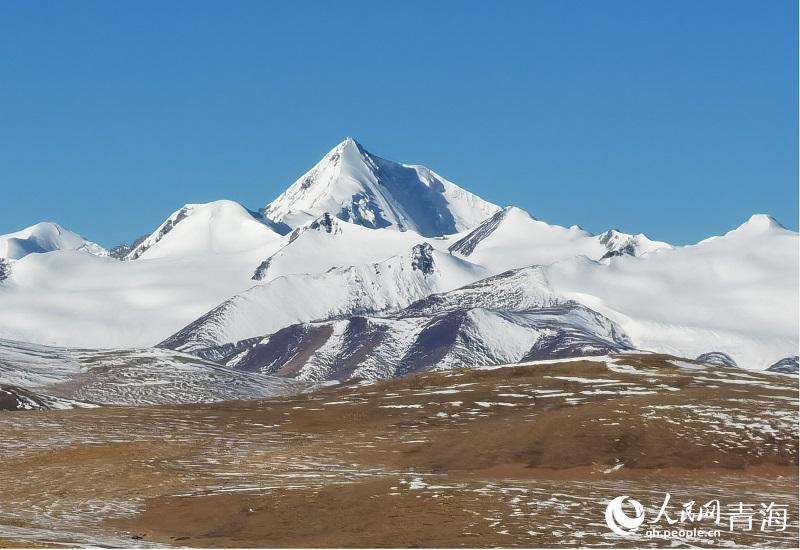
{"x":368,"y":268}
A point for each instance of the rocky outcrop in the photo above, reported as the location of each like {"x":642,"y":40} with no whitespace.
{"x":787,"y":365}
{"x":717,"y":358}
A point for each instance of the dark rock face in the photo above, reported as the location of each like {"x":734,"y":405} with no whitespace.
{"x":324,"y":223}
{"x":422,"y":258}
{"x":717,"y":358}
{"x":295,"y":234}
{"x":397,"y":344}
{"x":286,"y":351}
{"x":5,"y":270}
{"x":787,"y":365}
{"x":358,"y":342}
{"x":627,"y":250}
{"x":605,"y":238}
{"x":563,"y":343}
{"x":364,"y":210}
{"x":432,"y":343}
{"x":166,"y":228}
{"x":467,"y":245}
{"x":120,"y":251}
{"x":261,"y":271}
{"x":13,"y":398}
{"x":465,"y":327}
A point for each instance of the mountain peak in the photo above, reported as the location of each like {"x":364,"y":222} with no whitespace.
{"x":350,"y":141}
{"x":761,"y":222}
{"x":216,"y":227}
{"x":348,"y":149}
{"x":45,"y":237}
{"x":359,"y":187}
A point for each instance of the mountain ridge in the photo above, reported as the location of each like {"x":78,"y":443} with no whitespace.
{"x":350,"y":222}
{"x":355,"y":185}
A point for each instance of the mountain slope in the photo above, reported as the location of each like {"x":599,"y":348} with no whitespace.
{"x":787,"y":365}
{"x":356,"y":186}
{"x":735,"y":294}
{"x":507,"y":318}
{"x":63,"y":378}
{"x":68,"y":298}
{"x":362,"y":236}
{"x":219,"y":227}
{"x":511,"y":238}
{"x":45,"y":237}
{"x":384,"y":347}
{"x":391,"y":284}
{"x":200,"y":256}
{"x":329,"y":242}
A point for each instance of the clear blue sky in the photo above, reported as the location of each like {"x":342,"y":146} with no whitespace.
{"x":675,"y":118}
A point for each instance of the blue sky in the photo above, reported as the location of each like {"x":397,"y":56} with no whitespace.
{"x":674,"y":118}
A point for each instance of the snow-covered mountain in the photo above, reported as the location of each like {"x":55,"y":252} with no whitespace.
{"x":329,"y":242}
{"x":736,"y":294}
{"x":507,"y":318}
{"x":360,"y":241}
{"x":787,"y":365}
{"x":357,"y":186}
{"x":200,"y":256}
{"x":45,"y":237}
{"x":219,"y":227}
{"x":286,"y":300}
{"x":511,"y":238}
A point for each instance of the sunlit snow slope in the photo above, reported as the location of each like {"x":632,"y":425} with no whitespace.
{"x":355,"y":185}
{"x":736,"y":294}
{"x":363,"y":237}
{"x":45,"y":237}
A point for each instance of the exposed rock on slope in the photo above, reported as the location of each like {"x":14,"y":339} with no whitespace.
{"x":511,"y":238}
{"x":787,"y":365}
{"x":220,"y":227}
{"x":361,"y":289}
{"x":717,"y":358}
{"x":502,"y":319}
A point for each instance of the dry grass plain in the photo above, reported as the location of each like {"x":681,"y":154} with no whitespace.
{"x":516,"y":456}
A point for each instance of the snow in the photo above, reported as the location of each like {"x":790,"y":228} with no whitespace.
{"x":266,"y":308}
{"x":219,"y":227}
{"x":735,"y":294}
{"x":360,"y":224}
{"x":513,"y":239}
{"x":355,"y":185}
{"x":69,"y":298}
{"x":318,"y":247}
{"x":64,"y":378}
{"x":72,"y":299}
{"x":45,"y":237}
{"x":476,"y":325}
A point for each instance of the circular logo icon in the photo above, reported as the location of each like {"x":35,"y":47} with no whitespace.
{"x":621,"y":523}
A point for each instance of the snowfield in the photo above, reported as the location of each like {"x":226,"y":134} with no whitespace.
{"x":736,"y":294}
{"x":45,"y":237}
{"x":512,"y":238}
{"x":360,"y":237}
